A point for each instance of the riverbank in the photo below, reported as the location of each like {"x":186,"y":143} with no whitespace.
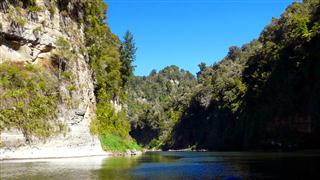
{"x":29,"y":152}
{"x":188,"y":150}
{"x":33,"y":152}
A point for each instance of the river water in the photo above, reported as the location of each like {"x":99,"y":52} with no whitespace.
{"x":171,"y":165}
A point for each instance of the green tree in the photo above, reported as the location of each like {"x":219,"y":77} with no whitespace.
{"x":202,"y":66}
{"x":103,"y":49}
{"x":127,"y":56}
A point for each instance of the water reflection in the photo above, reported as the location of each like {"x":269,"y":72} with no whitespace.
{"x":68,"y":168}
{"x":171,"y":165}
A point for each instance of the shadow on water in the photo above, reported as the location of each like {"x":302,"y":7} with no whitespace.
{"x":172,"y":165}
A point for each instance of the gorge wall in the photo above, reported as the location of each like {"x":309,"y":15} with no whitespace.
{"x":49,"y":37}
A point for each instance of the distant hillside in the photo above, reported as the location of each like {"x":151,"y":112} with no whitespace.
{"x":156,"y":103}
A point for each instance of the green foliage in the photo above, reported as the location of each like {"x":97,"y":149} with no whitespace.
{"x":61,"y":58}
{"x":29,"y":98}
{"x":68,"y":75}
{"x":109,"y":121}
{"x":280,"y":79}
{"x":262,"y":95}
{"x":104,"y":55}
{"x":20,"y":21}
{"x":72,"y":88}
{"x":63,"y":52}
{"x":34,"y":8}
{"x":156,"y":103}
{"x":112,"y":128}
{"x":37,"y":29}
{"x":63,"y":45}
{"x":16,"y":17}
{"x":103,"y":51}
{"x":127,"y":56}
{"x":51,"y":7}
{"x":118,"y":144}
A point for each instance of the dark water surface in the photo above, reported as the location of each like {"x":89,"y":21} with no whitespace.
{"x":171,"y":165}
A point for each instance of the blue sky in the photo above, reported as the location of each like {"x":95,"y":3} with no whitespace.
{"x":187,"y":32}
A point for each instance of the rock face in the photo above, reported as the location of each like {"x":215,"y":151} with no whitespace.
{"x":31,"y":38}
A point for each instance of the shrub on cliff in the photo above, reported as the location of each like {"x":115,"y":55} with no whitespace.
{"x":28,"y":100}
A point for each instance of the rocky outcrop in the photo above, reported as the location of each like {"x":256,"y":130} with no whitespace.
{"x":31,"y":38}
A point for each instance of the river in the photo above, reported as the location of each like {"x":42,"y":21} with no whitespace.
{"x":171,"y":165}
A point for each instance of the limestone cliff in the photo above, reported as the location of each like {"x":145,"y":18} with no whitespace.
{"x":31,"y":36}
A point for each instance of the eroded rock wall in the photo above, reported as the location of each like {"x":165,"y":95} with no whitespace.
{"x":31,"y":37}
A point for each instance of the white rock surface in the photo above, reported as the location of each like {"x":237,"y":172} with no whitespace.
{"x":26,"y":45}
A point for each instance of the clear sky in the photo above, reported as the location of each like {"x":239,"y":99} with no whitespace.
{"x":187,"y":32}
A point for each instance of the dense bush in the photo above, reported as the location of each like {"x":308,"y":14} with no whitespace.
{"x":156,"y":102}
{"x":103,"y":48}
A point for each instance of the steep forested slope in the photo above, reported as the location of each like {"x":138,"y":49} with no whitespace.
{"x":264,"y":94}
